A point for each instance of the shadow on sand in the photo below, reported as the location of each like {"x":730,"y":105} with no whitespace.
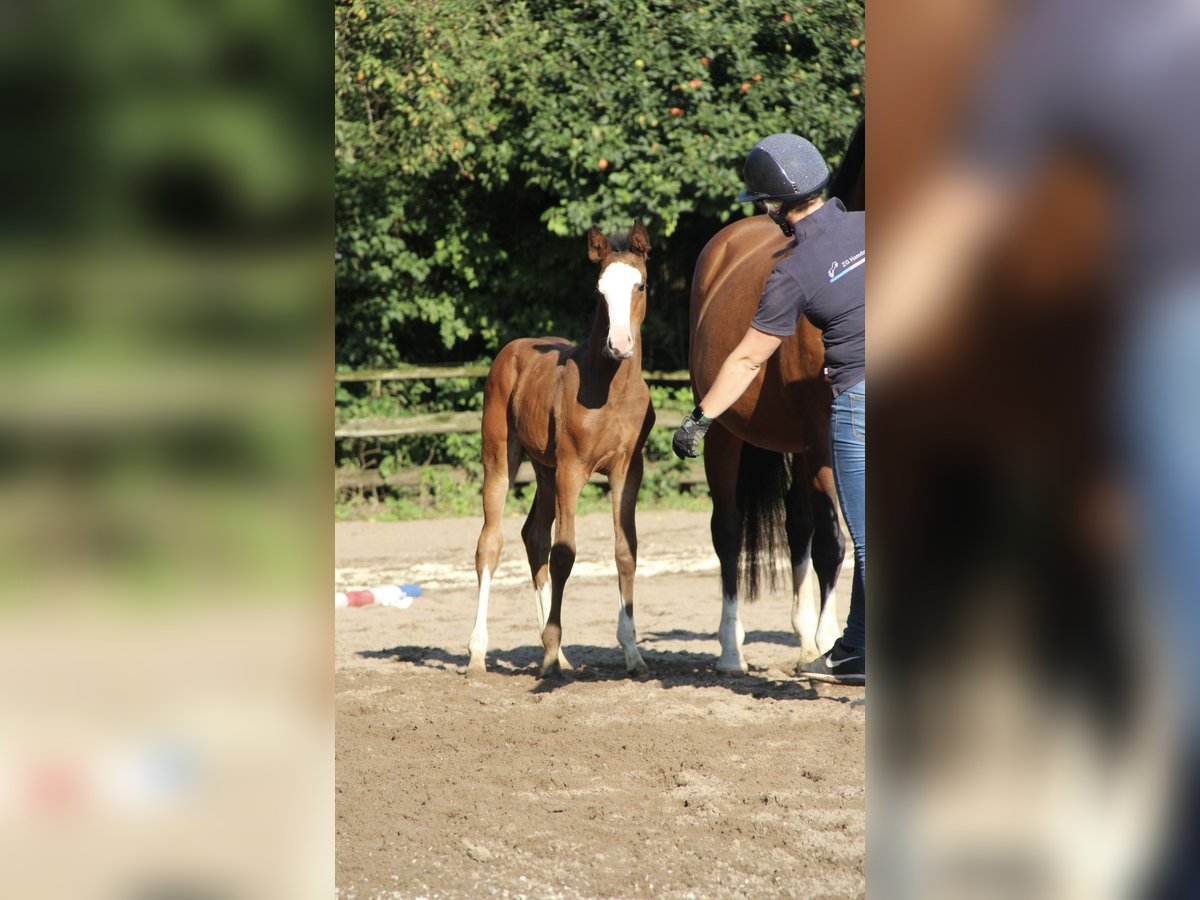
{"x":669,"y":668}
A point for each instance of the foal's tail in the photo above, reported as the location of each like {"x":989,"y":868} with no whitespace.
{"x":762,"y":485}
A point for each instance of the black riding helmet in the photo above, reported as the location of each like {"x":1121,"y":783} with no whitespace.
{"x":784,"y":168}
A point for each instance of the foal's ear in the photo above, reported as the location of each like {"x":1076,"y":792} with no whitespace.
{"x":597,"y":245}
{"x":639,"y":241}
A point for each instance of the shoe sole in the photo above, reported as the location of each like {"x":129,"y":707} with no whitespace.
{"x":835,"y":679}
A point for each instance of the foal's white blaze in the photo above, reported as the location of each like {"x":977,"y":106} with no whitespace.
{"x":731,"y":634}
{"x":627,"y":638}
{"x":616,"y":284}
{"x":477,"y":645}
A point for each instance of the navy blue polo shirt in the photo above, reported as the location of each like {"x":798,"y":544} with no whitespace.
{"x":1116,"y":81}
{"x":824,"y":278}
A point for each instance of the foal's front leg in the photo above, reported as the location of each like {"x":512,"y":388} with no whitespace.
{"x":568,"y":481}
{"x":624,"y":491}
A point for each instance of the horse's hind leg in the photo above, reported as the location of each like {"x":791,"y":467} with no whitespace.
{"x":536,"y":535}
{"x":500,"y":460}
{"x":722,"y":455}
{"x":800,"y":535}
{"x":624,"y":500}
{"x":568,"y":481}
{"x":828,"y":550}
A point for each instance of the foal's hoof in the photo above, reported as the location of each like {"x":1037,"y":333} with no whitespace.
{"x":638,"y":668}
{"x":475,"y":671}
{"x":733,"y":669}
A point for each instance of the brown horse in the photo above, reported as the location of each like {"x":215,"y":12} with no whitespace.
{"x":776,"y":433}
{"x":573,"y":410}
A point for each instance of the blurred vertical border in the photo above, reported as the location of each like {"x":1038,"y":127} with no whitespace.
{"x":166,"y":258}
{"x":1030,"y":703}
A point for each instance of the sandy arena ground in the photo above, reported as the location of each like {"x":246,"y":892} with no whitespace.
{"x":677,"y":784}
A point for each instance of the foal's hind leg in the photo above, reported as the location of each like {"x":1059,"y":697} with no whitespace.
{"x":500,"y":461}
{"x":568,"y":481}
{"x":624,"y":492}
{"x":828,"y":550}
{"x":722,"y":455}
{"x":536,"y":535}
{"x":800,"y":534}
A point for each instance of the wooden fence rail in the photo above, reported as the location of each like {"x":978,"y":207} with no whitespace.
{"x":454,"y":423}
{"x":360,"y":479}
{"x":461,"y":422}
{"x":432,"y":373}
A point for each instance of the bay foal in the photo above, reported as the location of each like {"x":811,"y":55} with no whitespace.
{"x":573,"y":410}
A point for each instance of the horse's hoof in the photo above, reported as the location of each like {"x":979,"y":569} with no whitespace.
{"x":552,"y":672}
{"x":475,"y":670}
{"x":807,"y":655}
{"x":639,"y":668}
{"x":564,"y":663}
{"x":732,"y":669}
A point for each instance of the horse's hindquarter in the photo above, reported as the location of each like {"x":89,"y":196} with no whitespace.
{"x":784,"y":406}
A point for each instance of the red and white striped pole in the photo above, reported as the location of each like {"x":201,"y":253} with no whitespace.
{"x":400,"y":596}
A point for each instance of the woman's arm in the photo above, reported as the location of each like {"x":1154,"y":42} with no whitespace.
{"x":738,"y":370}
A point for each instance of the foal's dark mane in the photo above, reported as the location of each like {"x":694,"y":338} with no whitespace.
{"x":618,"y":241}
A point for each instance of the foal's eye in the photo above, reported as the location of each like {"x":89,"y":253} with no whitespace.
{"x":642,"y":288}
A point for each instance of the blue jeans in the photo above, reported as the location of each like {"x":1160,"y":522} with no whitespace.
{"x":848,"y":439}
{"x":1162,"y":431}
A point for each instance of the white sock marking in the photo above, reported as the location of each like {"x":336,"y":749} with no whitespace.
{"x":477,"y":645}
{"x":804,"y":614}
{"x":627,"y":638}
{"x":541,"y":599}
{"x":732,"y":635}
{"x":828,"y":629}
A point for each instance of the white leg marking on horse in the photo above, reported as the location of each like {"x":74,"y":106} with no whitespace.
{"x":617,"y":283}
{"x":627,"y":638}
{"x":541,"y":599}
{"x":828,"y":629}
{"x":731,"y":634}
{"x":477,"y":645}
{"x":805,"y":601}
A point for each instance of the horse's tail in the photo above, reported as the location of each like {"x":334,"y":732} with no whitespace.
{"x":762,"y":485}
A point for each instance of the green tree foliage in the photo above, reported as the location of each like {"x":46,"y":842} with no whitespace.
{"x":477,"y":141}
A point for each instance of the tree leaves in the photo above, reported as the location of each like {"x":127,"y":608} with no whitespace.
{"x":468,"y":155}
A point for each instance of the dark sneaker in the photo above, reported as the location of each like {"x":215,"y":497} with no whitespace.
{"x":839,"y":666}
